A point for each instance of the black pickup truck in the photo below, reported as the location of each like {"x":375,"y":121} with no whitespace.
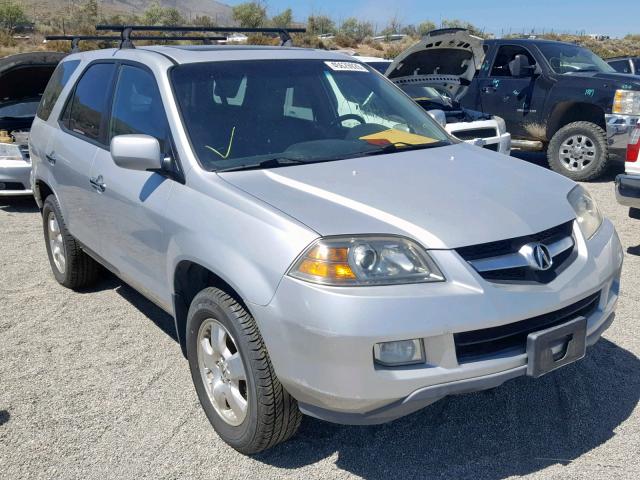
{"x":555,"y":97}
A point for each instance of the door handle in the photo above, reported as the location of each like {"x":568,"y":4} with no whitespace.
{"x":98,"y":183}
{"x":51,"y":158}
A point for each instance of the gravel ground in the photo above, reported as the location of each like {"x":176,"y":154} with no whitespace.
{"x":93,"y":385}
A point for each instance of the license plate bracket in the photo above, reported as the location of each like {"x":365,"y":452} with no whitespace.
{"x":556,"y":347}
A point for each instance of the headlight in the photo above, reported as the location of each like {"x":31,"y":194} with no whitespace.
{"x":626,"y":102}
{"x":365,"y":260}
{"x":587,"y":213}
{"x":502,"y":126}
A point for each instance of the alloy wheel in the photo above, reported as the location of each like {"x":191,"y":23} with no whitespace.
{"x":577,"y":152}
{"x":223,"y":372}
{"x":56,"y":243}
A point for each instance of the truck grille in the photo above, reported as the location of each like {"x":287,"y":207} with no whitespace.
{"x":513,"y":336}
{"x":476,"y":133}
{"x":510,"y":266}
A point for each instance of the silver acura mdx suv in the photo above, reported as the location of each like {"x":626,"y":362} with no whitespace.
{"x":315,"y":263}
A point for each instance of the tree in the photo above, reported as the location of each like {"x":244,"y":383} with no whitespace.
{"x":203,"y":21}
{"x":88,"y":15}
{"x":283,"y":19}
{"x":11,"y":16}
{"x":393,"y":26}
{"x":455,"y":23}
{"x":425,"y":27}
{"x":355,"y":29}
{"x":319,"y":24}
{"x":409,"y":30}
{"x":171,"y":16}
{"x":157,"y":15}
{"x":250,"y":14}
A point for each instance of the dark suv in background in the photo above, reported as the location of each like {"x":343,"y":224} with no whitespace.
{"x":628,"y":65}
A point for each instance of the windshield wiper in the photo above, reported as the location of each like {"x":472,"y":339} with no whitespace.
{"x":405,"y":147}
{"x":268,"y":163}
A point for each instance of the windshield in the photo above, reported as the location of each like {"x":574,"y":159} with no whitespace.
{"x":241,"y":113}
{"x":565,"y":58}
{"x":24,"y":109}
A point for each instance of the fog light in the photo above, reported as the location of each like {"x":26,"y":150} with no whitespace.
{"x":402,"y":352}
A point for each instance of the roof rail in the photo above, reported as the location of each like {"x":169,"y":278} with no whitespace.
{"x":126,"y":40}
{"x":76,"y":39}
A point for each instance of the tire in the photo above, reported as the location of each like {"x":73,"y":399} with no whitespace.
{"x":272,"y":415}
{"x":579,"y":151}
{"x":634,"y":213}
{"x":80,"y":270}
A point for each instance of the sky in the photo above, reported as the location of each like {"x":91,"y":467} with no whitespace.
{"x":605,"y":17}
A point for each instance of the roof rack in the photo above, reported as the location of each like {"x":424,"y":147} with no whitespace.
{"x":126,"y":41}
{"x":76,"y":39}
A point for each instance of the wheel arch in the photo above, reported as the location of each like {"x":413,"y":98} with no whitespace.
{"x":41,"y":192}
{"x":189,"y":278}
{"x":569,"y":112}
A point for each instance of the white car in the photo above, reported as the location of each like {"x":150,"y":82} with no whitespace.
{"x":470,"y":126}
{"x":628,"y":185}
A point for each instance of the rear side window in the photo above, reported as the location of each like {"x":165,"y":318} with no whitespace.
{"x":57,"y":82}
{"x":137,"y":106}
{"x":85,"y":111}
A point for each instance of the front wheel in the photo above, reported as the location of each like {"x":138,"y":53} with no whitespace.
{"x":233,"y":376}
{"x":579,"y":151}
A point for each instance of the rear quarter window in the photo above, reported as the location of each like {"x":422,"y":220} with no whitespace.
{"x":57,"y":82}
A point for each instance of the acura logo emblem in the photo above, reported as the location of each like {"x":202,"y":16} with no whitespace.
{"x":537,"y":256}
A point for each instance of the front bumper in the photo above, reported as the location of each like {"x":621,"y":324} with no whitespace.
{"x":618,"y":129}
{"x":321,"y":339}
{"x":14,"y":178}
{"x":628,"y":190}
{"x":500,"y":142}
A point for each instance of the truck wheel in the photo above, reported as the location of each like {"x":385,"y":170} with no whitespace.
{"x":233,"y":376}
{"x":71,"y":266}
{"x":579,"y":151}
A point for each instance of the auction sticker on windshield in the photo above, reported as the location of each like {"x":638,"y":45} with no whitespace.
{"x":346,"y":67}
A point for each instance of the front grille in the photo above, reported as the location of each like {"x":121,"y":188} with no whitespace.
{"x":476,"y":133}
{"x":512,"y":246}
{"x":513,"y":337}
{"x":492,"y":146}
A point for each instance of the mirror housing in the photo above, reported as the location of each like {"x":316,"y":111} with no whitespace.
{"x":136,"y":152}
{"x":520,"y":66}
{"x":439,"y":116}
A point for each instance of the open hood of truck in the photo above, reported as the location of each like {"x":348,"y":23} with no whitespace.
{"x":25,"y":76}
{"x":446,"y":59}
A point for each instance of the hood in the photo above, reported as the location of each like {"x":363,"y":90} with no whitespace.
{"x":26,"y":75}
{"x":445,"y":197}
{"x":446,"y":59}
{"x":630,"y":81}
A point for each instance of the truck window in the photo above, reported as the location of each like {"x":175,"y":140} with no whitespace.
{"x":137,"y":106}
{"x":84,"y":112}
{"x":621,"y":66}
{"x":506,"y":54}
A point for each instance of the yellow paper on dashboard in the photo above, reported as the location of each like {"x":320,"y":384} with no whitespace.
{"x":393,"y":136}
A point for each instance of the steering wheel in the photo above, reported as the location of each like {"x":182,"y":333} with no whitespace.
{"x":348,"y":116}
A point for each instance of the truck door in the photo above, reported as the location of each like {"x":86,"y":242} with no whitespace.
{"x":519,"y":100}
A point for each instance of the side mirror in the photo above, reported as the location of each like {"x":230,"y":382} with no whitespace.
{"x":439,"y":116}
{"x":520,"y":66}
{"x":136,"y":152}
